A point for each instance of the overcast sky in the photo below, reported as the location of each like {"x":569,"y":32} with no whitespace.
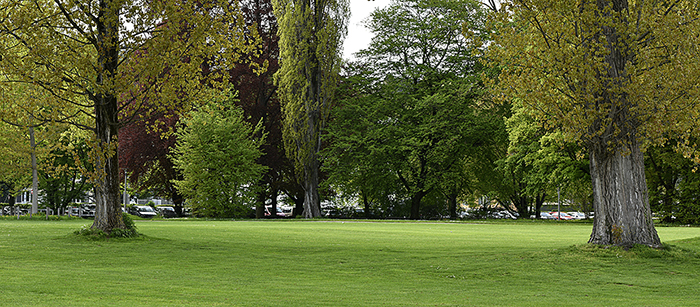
{"x":358,"y":37}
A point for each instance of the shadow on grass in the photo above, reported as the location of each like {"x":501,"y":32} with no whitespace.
{"x":667,"y":251}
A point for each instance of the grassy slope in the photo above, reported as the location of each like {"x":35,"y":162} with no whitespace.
{"x":300,"y":263}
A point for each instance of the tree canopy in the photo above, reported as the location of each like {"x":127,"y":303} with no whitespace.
{"x":115,"y":60}
{"x":411,"y":114}
{"x":216,"y":153}
{"x":311,"y":33}
{"x":615,"y":75}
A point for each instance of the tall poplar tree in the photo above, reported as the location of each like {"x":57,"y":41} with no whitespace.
{"x":617,"y":75}
{"x":105,"y":59}
{"x":310,"y":40}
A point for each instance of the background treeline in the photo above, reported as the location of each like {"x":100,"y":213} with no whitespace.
{"x":412,"y":131}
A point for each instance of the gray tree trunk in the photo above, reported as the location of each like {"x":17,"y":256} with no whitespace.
{"x":620,"y":198}
{"x":107,"y":195}
{"x":312,"y":201}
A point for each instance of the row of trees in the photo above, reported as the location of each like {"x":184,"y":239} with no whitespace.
{"x":229,"y":105}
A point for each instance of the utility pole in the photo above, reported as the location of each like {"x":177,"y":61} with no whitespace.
{"x":559,"y":202}
{"x":125,"y":195}
{"x":35,"y":176}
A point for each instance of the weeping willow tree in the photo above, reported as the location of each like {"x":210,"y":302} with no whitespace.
{"x":311,"y":34}
{"x":113,"y":61}
{"x":617,"y":75}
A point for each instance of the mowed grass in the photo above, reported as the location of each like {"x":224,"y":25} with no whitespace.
{"x":317,"y":263}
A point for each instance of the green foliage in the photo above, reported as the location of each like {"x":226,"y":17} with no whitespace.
{"x":310,"y":41}
{"x":409,"y":115}
{"x":95,"y":234}
{"x":539,"y":161}
{"x":674,"y":186}
{"x":60,"y":180}
{"x":216,"y":153}
{"x":638,"y":251}
{"x":100,"y":64}
{"x":575,"y":76}
{"x":128,"y":222}
{"x":615,"y":76}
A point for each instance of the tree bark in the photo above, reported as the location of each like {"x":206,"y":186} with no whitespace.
{"x":415,"y":204}
{"x":107,"y":195}
{"x":452,"y":199}
{"x":312,"y":202}
{"x":620,"y":198}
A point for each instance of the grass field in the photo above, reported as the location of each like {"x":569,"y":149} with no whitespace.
{"x":317,"y":263}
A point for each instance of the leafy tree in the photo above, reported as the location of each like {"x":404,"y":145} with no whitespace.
{"x":258,"y":97}
{"x":538,"y":162}
{"x":61,"y":180}
{"x":413,"y":116}
{"x":216,"y":153}
{"x":674,"y":185}
{"x":14,"y":161}
{"x":90,"y":55}
{"x":310,"y":38}
{"x":616,"y":75}
{"x":144,"y":152}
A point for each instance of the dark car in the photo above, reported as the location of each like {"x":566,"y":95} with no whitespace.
{"x":85,"y":211}
{"x":167,"y":211}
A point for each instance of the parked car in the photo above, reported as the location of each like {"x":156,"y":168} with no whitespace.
{"x":143,"y":211}
{"x":546,"y":216}
{"x":561,"y":216}
{"x":167,"y":211}
{"x":509,"y":215}
{"x":577,"y":215}
{"x":279,"y":212}
{"x":287,"y":210}
{"x":86,"y":211}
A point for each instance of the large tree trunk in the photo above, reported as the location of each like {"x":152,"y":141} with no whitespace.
{"x":620,"y":198}
{"x":312,"y":202}
{"x":107,"y":195}
{"x":452,"y":201}
{"x":416,"y":200}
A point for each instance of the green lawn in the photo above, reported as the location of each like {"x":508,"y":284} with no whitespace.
{"x":316,"y":263}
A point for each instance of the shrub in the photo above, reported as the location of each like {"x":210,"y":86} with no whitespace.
{"x":97,"y":234}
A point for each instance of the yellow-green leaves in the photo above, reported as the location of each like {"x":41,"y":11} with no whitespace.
{"x":217,"y":152}
{"x":598,"y":71}
{"x":311,"y":34}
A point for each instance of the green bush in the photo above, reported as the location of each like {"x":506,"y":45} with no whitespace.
{"x":128,"y":222}
{"x":97,"y":234}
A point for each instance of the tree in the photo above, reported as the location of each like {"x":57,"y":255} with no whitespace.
{"x":413,"y":115}
{"x":61,"y":180}
{"x":613,"y":74}
{"x":145,"y":147}
{"x":216,"y":153}
{"x":103,"y":58}
{"x":14,"y":162}
{"x":674,"y":185}
{"x":310,"y":38}
{"x":537,"y":163}
{"x":257,"y":95}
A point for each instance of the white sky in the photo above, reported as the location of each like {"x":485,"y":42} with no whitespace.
{"x":358,"y":36}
